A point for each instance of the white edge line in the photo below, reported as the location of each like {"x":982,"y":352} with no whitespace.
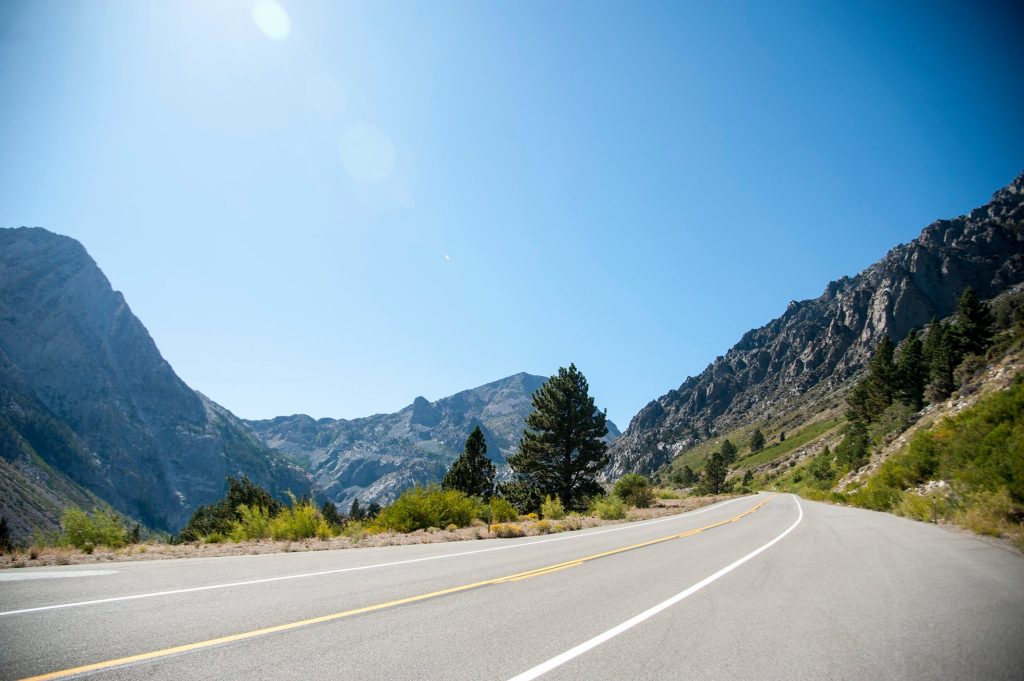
{"x":558,"y":660}
{"x":229,"y":585}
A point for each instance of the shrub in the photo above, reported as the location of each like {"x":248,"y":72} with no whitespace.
{"x":608,"y":508}
{"x":85,"y":531}
{"x":505,"y":531}
{"x":300,"y":521}
{"x":252,"y":523}
{"x":552,"y":509}
{"x":635,"y":490}
{"x":421,"y":507}
{"x":212,"y":538}
{"x":502,"y":510}
{"x":543,"y":527}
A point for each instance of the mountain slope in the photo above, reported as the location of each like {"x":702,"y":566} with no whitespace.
{"x":376,"y":457}
{"x":120,"y":422}
{"x":816,"y":346}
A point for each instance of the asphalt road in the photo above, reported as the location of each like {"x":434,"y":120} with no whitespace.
{"x":769,"y":588}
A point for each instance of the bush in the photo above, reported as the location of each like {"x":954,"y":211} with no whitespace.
{"x":543,"y":527}
{"x":502,"y":511}
{"x":552,"y":509}
{"x":84,"y":531}
{"x":505,"y":531}
{"x":300,"y":521}
{"x":421,"y":507}
{"x":635,"y":490}
{"x":252,"y":523}
{"x":608,"y":508}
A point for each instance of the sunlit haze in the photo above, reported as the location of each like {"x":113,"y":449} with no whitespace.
{"x":332,"y":208}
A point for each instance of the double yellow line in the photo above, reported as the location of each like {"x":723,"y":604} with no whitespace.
{"x":190,"y":647}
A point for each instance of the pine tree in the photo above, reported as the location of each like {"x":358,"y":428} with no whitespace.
{"x":686,"y":476}
{"x":881,"y":379}
{"x":943,"y":359}
{"x":5,"y":536}
{"x":782,"y":436}
{"x":472,"y":473}
{"x":973,"y":326}
{"x":355,"y":512}
{"x":858,"y":408}
{"x":715,"y":471}
{"x":729,"y":451}
{"x":330,"y":513}
{"x":911,"y":371}
{"x":748,"y":478}
{"x":757,"y":440}
{"x":561,"y":450}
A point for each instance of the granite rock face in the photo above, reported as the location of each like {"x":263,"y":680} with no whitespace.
{"x":818,"y":345}
{"x":119,"y":422}
{"x":375,"y":458}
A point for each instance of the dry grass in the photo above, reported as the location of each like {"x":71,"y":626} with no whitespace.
{"x":37,"y":556}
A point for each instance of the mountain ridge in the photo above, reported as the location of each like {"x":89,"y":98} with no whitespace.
{"x":816,"y":346}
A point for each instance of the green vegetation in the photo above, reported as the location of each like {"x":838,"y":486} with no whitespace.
{"x":5,"y":536}
{"x":472,"y":473}
{"x":712,"y":480}
{"x":635,"y":490}
{"x":552,"y":508}
{"x":86,"y":531}
{"x":729,"y":452}
{"x":502,"y":511}
{"x":794,"y":441}
{"x":219,"y":517}
{"x":608,"y":507}
{"x":757,"y":441}
{"x":420,"y":508}
{"x":979,"y":453}
{"x":561,"y":451}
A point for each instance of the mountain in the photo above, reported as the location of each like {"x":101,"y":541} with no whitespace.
{"x":91,"y":409}
{"x":812,"y":351}
{"x":375,"y":458}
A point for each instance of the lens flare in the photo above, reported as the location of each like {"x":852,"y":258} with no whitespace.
{"x":271,"y":19}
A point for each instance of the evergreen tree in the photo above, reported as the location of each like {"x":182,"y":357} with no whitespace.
{"x":472,"y":473}
{"x":943,"y":359}
{"x":561,"y":450}
{"x":911,"y":371}
{"x":858,"y":408}
{"x":686,"y":476}
{"x":373,"y":510}
{"x":881,"y":379}
{"x":355,"y":511}
{"x":330,"y":513}
{"x":712,"y":480}
{"x":218,"y":517}
{"x":729,"y":451}
{"x":748,"y":478}
{"x":757,"y":440}
{"x":5,"y":536}
{"x":782,"y":436}
{"x":973,"y":326}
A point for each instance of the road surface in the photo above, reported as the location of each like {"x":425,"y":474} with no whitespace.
{"x":761,"y":587}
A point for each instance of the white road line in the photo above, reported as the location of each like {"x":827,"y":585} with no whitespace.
{"x":304,"y":575}
{"x":558,"y":660}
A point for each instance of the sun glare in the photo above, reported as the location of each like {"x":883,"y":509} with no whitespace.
{"x":271,"y":19}
{"x":367,"y":153}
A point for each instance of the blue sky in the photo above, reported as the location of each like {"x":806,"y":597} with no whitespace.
{"x":332,"y":208}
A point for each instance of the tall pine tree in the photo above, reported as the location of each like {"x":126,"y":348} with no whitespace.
{"x":729,"y":451}
{"x":881,"y":380}
{"x":561,"y":450}
{"x":757,"y":440}
{"x":472,"y":473}
{"x":911,"y":371}
{"x":972,"y":329}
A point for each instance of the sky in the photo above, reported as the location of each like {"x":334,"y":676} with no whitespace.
{"x":334,"y":207}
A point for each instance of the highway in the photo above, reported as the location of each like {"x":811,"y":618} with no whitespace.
{"x":760,"y":587}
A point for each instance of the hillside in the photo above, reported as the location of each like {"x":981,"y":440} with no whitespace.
{"x":91,"y":407}
{"x":796,"y":368}
{"x":376,"y":457}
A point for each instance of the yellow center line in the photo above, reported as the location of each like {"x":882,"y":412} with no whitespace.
{"x":209,"y":643}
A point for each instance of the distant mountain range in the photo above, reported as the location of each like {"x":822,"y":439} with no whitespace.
{"x":812,"y":352}
{"x":92,"y":415}
{"x":376,"y":457}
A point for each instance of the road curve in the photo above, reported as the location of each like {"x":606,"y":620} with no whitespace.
{"x":764,"y":587}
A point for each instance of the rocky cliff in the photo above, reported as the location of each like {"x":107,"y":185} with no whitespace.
{"x":88,"y":395}
{"x":375,"y":458}
{"x":817,"y":345}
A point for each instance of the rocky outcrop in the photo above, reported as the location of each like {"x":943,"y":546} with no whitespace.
{"x":818,"y":345}
{"x":375,"y":458}
{"x":104,"y":408}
